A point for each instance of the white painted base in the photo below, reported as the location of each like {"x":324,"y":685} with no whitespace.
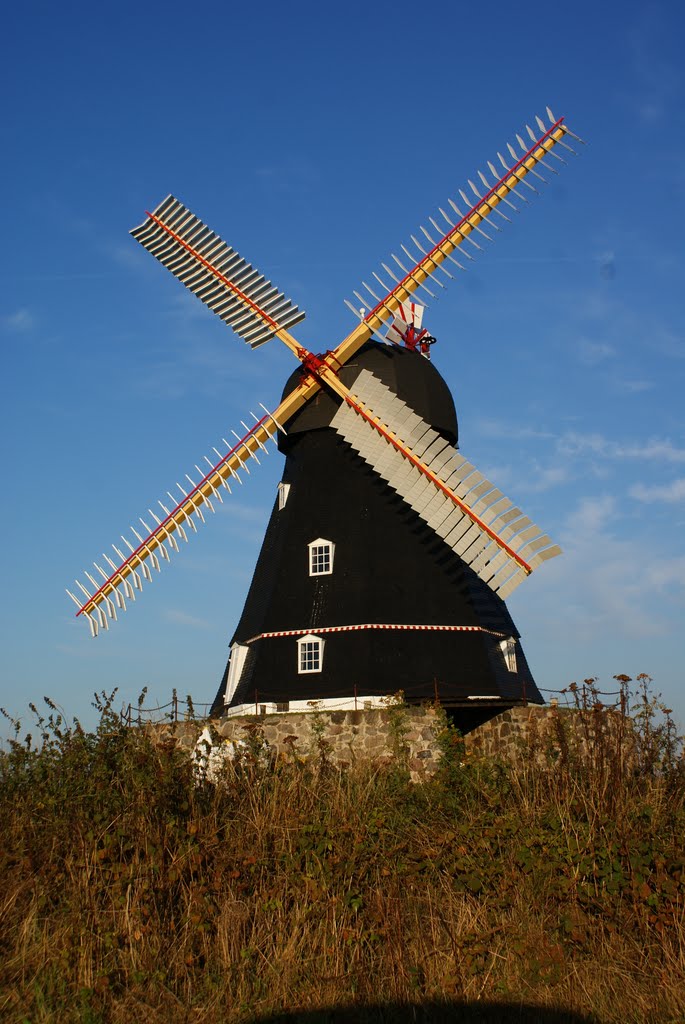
{"x":359,"y":703}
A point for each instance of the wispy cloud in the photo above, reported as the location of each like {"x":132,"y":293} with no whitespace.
{"x":127,"y":255}
{"x":293,"y":175}
{"x":542,"y":478}
{"x":488,"y":427}
{"x":19,"y":322}
{"x":607,"y":589}
{"x":655,"y":449}
{"x":669,"y":493}
{"x":658,"y":80}
{"x":666,"y":574}
{"x":591,"y":353}
{"x":181,"y":618}
{"x":592,"y":516}
{"x":633,"y":387}
{"x":575,"y":444}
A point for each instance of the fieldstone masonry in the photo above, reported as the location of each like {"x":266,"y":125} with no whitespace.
{"x":379,"y":735}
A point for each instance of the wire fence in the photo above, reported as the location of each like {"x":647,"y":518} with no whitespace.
{"x":584,"y":696}
{"x":175,"y":710}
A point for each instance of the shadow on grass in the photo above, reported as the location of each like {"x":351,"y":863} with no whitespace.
{"x":452,"y":1012}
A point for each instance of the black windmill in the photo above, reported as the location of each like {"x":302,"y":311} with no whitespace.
{"x":376,"y":509}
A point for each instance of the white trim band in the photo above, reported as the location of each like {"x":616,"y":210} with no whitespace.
{"x":373,"y":625}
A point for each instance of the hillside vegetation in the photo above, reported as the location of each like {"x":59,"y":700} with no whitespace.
{"x":131,"y":892}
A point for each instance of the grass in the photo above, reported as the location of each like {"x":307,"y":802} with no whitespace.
{"x":554,"y":887}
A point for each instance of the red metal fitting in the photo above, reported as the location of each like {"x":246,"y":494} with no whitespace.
{"x":313,"y":364}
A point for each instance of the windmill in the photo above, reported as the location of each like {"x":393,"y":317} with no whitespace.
{"x":388,"y":556}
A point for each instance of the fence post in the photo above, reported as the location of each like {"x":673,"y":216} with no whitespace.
{"x":355,"y":696}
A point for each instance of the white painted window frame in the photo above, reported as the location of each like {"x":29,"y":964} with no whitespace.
{"x":320,"y":542}
{"x":508,"y":648}
{"x":302,"y":642}
{"x":283,"y":492}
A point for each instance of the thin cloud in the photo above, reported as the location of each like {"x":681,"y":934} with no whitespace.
{"x":499,"y":429}
{"x":545,"y":478}
{"x":130,"y":256}
{"x":181,"y":618}
{"x":593,"y":515}
{"x":656,"y":449}
{"x":591,"y":353}
{"x":634,"y":387}
{"x":535,"y":478}
{"x":294,"y":176}
{"x":666,"y":574}
{"x":669,"y":493}
{"x":19,"y":322}
{"x":607,"y":588}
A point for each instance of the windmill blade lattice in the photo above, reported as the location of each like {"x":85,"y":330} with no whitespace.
{"x":468,"y":512}
{"x":102,"y":599}
{"x":216,"y":274}
{"x":461,"y":229}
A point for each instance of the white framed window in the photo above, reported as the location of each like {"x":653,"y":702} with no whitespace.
{"x":283,"y":492}
{"x":310,"y":654}
{"x":321,"y":557}
{"x":508,"y":647}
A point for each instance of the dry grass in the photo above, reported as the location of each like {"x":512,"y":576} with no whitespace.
{"x":129,"y":893}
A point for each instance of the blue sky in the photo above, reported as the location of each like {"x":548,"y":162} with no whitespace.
{"x":315,"y":139}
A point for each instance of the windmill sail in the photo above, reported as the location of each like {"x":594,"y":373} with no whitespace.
{"x":103,"y":597}
{"x":216,"y":274}
{"x":460,"y":229}
{"x":468,"y":512}
{"x":495,"y":539}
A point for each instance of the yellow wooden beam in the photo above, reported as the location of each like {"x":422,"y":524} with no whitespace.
{"x":251,"y":446}
{"x":449,"y":244}
{"x":326,"y":373}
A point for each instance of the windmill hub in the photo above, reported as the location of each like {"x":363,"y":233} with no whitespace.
{"x":313,"y":364}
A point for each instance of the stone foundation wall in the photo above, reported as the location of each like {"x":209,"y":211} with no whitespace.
{"x":380,"y":735}
{"x":534,"y":732}
{"x":349,"y":736}
{"x":512,"y":733}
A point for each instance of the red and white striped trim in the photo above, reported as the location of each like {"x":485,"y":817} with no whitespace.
{"x":317,"y":631}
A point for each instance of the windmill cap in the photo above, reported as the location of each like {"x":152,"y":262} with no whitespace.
{"x":411,"y":377}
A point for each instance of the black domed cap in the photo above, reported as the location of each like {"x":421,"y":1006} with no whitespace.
{"x":411,"y":376}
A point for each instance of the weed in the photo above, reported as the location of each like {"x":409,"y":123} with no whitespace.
{"x":129,"y":892}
